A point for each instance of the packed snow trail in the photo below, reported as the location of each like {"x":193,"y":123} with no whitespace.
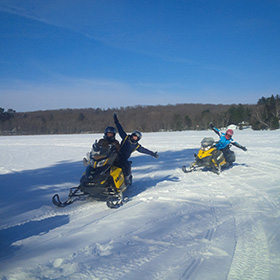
{"x":174,"y":226}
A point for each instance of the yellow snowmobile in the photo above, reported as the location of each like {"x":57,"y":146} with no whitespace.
{"x":102,"y":180}
{"x":208,"y":157}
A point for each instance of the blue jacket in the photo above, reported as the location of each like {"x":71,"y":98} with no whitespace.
{"x":224,"y":142}
{"x":128,"y":147}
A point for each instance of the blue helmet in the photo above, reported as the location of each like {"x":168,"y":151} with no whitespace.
{"x":109,"y":129}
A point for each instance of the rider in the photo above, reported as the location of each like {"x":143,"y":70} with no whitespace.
{"x":224,"y":142}
{"x":129,"y":144}
{"x":108,"y":142}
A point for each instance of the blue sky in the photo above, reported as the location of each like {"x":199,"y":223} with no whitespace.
{"x":111,"y":53}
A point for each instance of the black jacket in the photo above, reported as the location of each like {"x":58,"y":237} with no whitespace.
{"x":128,"y":146}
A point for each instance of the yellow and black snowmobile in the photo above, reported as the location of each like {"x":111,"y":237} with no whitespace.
{"x":101,"y":180}
{"x":208,"y":157}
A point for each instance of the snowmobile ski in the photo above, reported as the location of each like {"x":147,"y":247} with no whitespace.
{"x":56,"y":200}
{"x":189,"y":169}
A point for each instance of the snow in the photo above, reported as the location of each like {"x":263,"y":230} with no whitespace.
{"x":174,"y":226}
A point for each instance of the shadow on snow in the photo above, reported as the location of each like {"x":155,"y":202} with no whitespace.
{"x":29,"y":190}
{"x":19,"y":232}
{"x":167,"y":161}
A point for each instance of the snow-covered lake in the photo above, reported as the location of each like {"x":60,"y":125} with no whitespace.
{"x":175,"y":225}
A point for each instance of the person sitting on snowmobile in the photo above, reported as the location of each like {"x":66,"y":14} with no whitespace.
{"x":224,"y":143}
{"x":129,"y":144}
{"x":108,"y":142}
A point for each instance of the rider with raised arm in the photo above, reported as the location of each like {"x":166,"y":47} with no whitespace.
{"x":224,"y":142}
{"x":129,"y":144}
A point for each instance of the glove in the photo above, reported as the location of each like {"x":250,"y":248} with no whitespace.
{"x":211,"y":125}
{"x":155,"y":155}
{"x":95,"y":146}
{"x":244,"y":148}
{"x":115,"y":116}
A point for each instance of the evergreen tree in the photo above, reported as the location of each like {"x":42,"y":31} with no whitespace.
{"x":267,"y":113}
{"x":239,"y":114}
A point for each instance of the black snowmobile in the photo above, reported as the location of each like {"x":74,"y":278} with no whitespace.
{"x":101,"y":180}
{"x":210,"y":157}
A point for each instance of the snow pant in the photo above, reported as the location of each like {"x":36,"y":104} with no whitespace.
{"x":229,"y":155}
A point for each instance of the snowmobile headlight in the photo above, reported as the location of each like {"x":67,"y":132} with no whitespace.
{"x":101,"y":162}
{"x":205,"y":148}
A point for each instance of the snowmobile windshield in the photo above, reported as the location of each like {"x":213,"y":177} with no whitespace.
{"x":207,"y":143}
{"x":101,"y":152}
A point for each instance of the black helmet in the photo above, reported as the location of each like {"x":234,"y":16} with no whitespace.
{"x":137,"y":134}
{"x":109,"y":129}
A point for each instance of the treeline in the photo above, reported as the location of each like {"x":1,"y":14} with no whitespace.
{"x":263,"y":115}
